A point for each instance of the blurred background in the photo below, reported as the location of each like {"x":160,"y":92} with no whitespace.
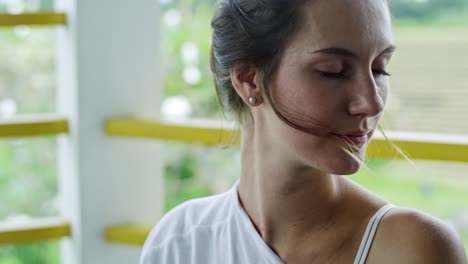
{"x":428,"y":94}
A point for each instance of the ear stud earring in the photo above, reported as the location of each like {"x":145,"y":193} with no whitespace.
{"x":252,"y":100}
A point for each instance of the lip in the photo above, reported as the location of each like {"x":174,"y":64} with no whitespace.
{"x":358,"y":137}
{"x":357,"y":133}
{"x":358,"y":140}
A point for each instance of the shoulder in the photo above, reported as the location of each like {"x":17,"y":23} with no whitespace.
{"x":175,"y":230}
{"x":416,"y":237}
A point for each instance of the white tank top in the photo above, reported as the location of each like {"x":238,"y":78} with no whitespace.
{"x":216,"y":229}
{"x":369,"y":235}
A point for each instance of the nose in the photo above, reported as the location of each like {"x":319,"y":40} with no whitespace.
{"x":367,"y":98}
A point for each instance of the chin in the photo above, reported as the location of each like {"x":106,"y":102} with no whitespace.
{"x":332,"y":159}
{"x":347,"y":165}
{"x":348,"y":170}
{"x":343,"y":166}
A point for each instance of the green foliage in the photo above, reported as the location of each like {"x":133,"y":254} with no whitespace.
{"x":194,"y":29}
{"x":28,"y":187}
{"x":180,"y":183}
{"x":183,"y":169}
{"x":46,"y":5}
{"x":185,"y":190}
{"x":43,"y":253}
{"x":435,"y":194}
{"x":27,"y":61}
{"x":26,"y":6}
{"x":424,"y":10}
{"x":28,"y":178}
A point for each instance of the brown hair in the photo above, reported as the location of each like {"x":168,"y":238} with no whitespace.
{"x":249,"y":32}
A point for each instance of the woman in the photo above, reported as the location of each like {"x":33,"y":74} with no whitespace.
{"x":307,"y":81}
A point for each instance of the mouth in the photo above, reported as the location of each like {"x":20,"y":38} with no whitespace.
{"x":358,"y":138}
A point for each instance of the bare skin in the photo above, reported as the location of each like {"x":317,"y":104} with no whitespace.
{"x":291,"y":183}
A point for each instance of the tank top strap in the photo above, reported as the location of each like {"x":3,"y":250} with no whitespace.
{"x":369,"y":235}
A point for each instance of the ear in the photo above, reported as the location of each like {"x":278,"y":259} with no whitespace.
{"x":244,"y":78}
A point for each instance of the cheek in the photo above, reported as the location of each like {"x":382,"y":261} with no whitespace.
{"x":383,"y":89}
{"x":307,"y":100}
{"x":307,"y":95}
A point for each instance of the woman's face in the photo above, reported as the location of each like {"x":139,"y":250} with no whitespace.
{"x":333,"y":70}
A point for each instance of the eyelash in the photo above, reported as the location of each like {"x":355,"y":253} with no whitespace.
{"x":382,"y":72}
{"x":332,"y":75}
{"x":342,"y":74}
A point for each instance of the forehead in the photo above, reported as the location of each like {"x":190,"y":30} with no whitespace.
{"x":360,"y":25}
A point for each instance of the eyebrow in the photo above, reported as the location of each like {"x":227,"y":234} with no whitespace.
{"x":347,"y":53}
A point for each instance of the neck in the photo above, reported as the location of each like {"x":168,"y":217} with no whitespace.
{"x":285,"y":199}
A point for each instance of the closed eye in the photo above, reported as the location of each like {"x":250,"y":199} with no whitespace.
{"x":332,"y":75}
{"x":342,"y":74}
{"x":381,"y":72}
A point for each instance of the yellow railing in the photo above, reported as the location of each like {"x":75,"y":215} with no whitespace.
{"x":430,"y":148}
{"x":37,"y":125}
{"x":127,"y":234}
{"x":416,"y":146}
{"x":194,"y":132}
{"x":33,"y":19}
{"x":33,"y":231}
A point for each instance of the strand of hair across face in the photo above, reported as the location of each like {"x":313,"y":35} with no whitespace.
{"x":293,"y":118}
